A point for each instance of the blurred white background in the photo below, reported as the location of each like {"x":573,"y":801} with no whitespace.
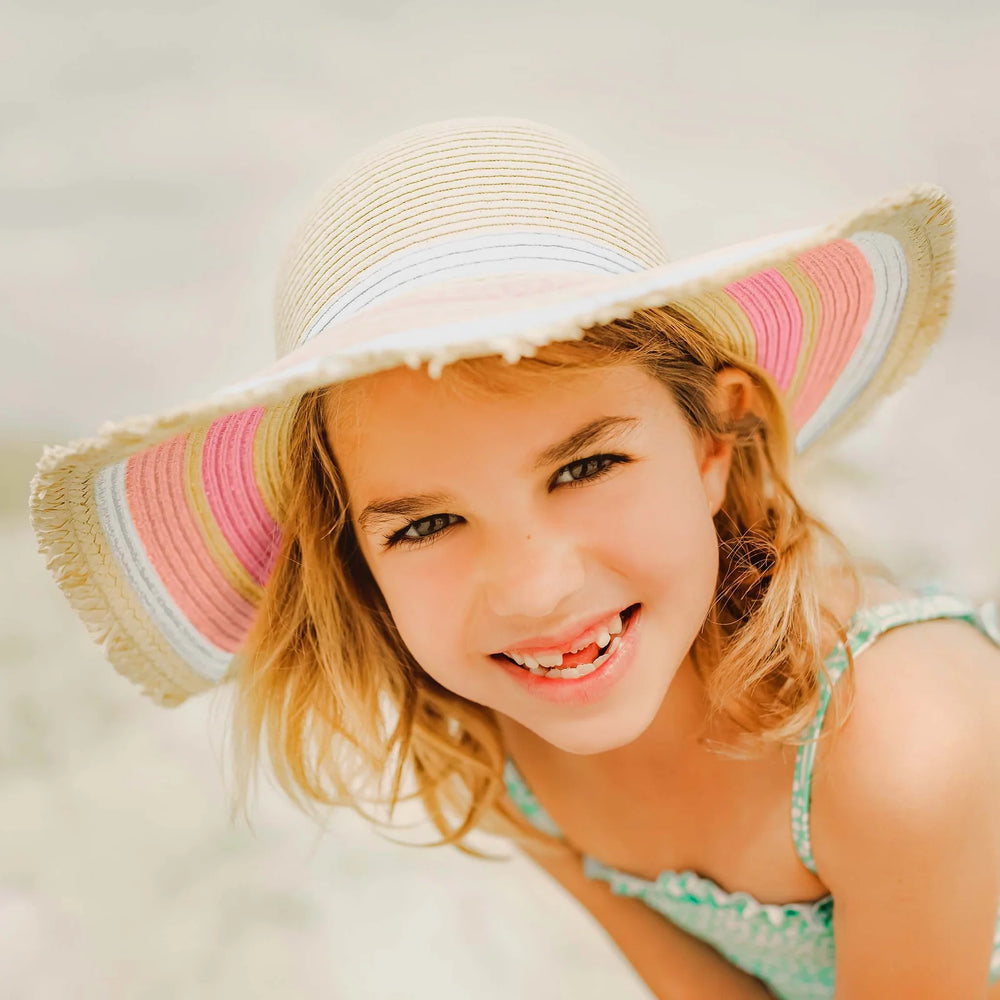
{"x":154,"y":159}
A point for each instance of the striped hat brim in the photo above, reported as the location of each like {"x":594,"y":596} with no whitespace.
{"x":162,"y":530}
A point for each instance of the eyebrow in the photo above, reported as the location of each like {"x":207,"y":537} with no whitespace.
{"x":603,"y":430}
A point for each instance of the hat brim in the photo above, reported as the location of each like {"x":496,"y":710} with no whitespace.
{"x":161,"y":530}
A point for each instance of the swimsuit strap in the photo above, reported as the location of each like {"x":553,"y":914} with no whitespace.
{"x":864,"y":628}
{"x":524,"y":798}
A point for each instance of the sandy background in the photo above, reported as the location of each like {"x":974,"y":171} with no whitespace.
{"x":153,"y":161}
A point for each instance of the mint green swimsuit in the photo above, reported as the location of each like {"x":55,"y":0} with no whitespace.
{"x":788,"y":946}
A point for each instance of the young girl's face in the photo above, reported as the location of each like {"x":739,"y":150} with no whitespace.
{"x":524,"y":522}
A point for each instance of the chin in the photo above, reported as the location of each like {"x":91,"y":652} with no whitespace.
{"x":606,"y":732}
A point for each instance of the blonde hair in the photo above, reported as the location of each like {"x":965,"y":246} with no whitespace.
{"x":326,"y":679}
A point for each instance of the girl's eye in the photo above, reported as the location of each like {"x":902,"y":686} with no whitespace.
{"x":427,"y":529}
{"x":422,"y":531}
{"x":586,"y":469}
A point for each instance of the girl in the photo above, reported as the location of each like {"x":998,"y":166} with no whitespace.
{"x":510,"y":520}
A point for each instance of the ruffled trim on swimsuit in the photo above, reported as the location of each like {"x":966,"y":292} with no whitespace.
{"x":687,"y":887}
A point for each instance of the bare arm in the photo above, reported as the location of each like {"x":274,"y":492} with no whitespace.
{"x":906,"y":820}
{"x":672,"y":963}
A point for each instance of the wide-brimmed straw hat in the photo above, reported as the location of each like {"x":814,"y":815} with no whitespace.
{"x":463,"y":238}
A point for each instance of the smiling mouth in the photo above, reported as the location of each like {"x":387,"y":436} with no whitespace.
{"x":582,"y":662}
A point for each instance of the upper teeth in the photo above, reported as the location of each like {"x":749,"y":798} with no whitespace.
{"x":601,"y":635}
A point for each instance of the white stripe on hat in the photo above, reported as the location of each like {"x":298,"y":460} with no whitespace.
{"x":481,"y":255}
{"x":203,"y":656}
{"x":890,"y":277}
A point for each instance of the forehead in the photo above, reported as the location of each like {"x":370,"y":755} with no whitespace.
{"x":400,"y":404}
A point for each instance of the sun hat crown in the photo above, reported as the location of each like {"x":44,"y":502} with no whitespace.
{"x":461,"y":198}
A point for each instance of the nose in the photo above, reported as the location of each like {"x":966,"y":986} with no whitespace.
{"x":531,"y":575}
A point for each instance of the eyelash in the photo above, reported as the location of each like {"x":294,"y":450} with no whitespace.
{"x":399,"y":539}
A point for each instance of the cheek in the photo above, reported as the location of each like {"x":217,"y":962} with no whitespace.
{"x":676,"y":565}
{"x":425,"y":608}
{"x":666,"y":528}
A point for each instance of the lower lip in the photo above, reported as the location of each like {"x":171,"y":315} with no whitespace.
{"x":581,"y":690}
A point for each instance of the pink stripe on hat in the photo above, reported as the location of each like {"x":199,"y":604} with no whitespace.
{"x":774,"y":313}
{"x":166,"y":526}
{"x":227,"y":469}
{"x":843,"y":279}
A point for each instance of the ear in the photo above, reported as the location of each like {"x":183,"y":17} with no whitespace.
{"x":731,"y":400}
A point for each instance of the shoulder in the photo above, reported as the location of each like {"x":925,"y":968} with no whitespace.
{"x":918,"y":752}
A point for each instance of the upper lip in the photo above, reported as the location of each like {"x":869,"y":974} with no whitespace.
{"x":560,"y":640}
